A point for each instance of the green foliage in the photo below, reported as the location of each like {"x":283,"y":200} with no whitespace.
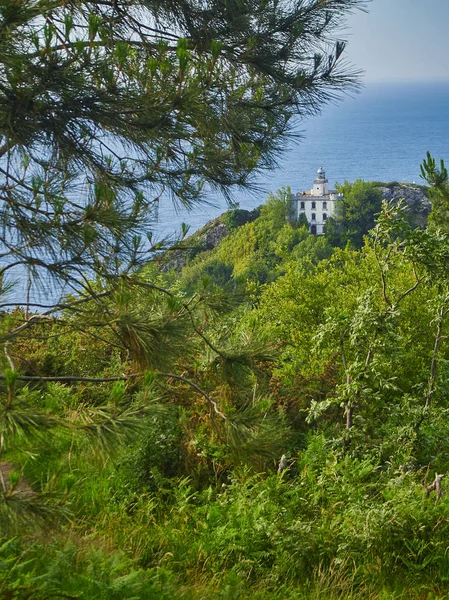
{"x":161,"y":466}
{"x":38,"y":572}
{"x":237,"y":217}
{"x":251,"y":253}
{"x":287,"y":239}
{"x":438,"y":193}
{"x":143,"y":418}
{"x":354,"y":214}
{"x":155,"y":456}
{"x":313,"y":248}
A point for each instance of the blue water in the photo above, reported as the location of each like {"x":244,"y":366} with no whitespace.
{"x":381,"y":134}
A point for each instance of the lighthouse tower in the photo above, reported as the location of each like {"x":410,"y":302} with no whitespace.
{"x":317,"y":204}
{"x":321,"y":184}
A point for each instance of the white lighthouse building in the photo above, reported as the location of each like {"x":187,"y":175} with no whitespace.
{"x":317,"y":204}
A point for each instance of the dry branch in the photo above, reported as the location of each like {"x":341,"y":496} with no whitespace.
{"x":435,"y":486}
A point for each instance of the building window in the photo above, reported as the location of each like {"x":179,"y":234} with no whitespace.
{"x":313,"y":230}
{"x":313,"y":205}
{"x":324,"y":216}
{"x":303,"y":205}
{"x":313,"y":216}
{"x":325,"y":205}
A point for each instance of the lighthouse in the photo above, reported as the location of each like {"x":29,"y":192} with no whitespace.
{"x":317,"y":204}
{"x":320,"y":185}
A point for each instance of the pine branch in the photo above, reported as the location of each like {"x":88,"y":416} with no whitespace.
{"x":76,"y":379}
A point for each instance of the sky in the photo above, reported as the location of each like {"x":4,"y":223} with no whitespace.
{"x":401,"y":40}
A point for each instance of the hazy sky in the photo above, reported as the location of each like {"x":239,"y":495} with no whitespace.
{"x":401,"y":40}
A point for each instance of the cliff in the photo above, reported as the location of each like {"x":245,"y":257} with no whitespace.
{"x":416,"y":200}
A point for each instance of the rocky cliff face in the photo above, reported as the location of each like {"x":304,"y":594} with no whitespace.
{"x":206,"y":238}
{"x":212,"y":234}
{"x":416,"y":200}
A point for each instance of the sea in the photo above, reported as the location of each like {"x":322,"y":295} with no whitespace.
{"x":380,"y":134}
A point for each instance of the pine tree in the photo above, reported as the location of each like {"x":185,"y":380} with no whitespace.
{"x":105,"y":107}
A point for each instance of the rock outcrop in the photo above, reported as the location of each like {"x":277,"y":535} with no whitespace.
{"x":415,"y":197}
{"x":207,"y":238}
{"x":212,"y":234}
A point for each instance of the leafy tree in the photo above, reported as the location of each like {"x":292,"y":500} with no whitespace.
{"x":236,"y":217}
{"x":302,"y":221}
{"x":288,"y":238}
{"x":363,"y":333}
{"x":354,"y":214}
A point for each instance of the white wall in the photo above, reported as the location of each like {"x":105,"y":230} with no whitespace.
{"x":317,"y":206}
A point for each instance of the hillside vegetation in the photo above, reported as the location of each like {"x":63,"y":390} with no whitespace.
{"x":275,"y":427}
